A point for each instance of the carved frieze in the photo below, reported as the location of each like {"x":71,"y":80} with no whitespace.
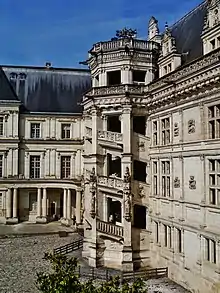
{"x":191,"y":126}
{"x":127,"y":195}
{"x":176,"y":130}
{"x":176,"y":182}
{"x":192,"y":182}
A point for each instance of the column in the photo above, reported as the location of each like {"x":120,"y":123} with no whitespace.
{"x":15,"y":203}
{"x":78,"y":206}
{"x":44,"y":203}
{"x":39,"y":202}
{"x":68,"y":204}
{"x":8,"y":203}
{"x":64,"y":203}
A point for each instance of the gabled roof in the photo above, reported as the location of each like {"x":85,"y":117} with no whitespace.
{"x":7,"y":92}
{"x":187,"y":33}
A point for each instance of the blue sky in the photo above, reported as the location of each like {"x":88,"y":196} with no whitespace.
{"x":62,"y":31}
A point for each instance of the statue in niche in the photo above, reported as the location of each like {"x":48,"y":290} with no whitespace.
{"x":93,"y":205}
{"x":191,"y":126}
{"x":92,"y":175}
{"x":176,"y":182}
{"x":127,"y":177}
{"x":192,"y":182}
{"x":215,"y":17}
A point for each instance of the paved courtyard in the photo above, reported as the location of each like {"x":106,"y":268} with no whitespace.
{"x":21,"y":258}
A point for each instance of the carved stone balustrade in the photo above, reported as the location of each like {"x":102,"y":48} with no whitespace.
{"x":110,"y":136}
{"x":116,"y":90}
{"x":88,"y":133}
{"x":121,"y":43}
{"x":109,"y":228}
{"x":110,"y":182}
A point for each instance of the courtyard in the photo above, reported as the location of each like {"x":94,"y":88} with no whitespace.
{"x":21,"y":257}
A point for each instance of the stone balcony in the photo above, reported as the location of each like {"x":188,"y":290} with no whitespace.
{"x":110,"y":182}
{"x":109,"y":229}
{"x":110,"y":136}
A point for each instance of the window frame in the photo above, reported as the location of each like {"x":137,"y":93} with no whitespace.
{"x":64,"y":169}
{"x":66,"y":133}
{"x":35,"y":171}
{"x":35,"y":132}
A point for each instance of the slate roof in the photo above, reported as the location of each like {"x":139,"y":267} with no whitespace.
{"x":187,"y":32}
{"x":49,"y":90}
{"x":7,"y":92}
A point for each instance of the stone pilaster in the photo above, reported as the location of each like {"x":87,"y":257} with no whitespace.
{"x":9,"y":203}
{"x":64,"y":203}
{"x":15,"y":203}
{"x":78,"y":206}
{"x":68,"y":204}
{"x":44,"y":206}
{"x":39,"y":202}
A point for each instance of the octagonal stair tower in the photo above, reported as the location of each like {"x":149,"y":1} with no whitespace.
{"x":116,"y":151}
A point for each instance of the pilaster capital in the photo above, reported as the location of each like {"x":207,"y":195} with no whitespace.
{"x":126,"y":110}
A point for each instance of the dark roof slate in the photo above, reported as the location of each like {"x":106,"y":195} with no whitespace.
{"x":187,"y":33}
{"x":49,"y":90}
{"x":7,"y":92}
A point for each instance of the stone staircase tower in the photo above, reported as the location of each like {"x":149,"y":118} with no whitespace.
{"x":116,"y":143}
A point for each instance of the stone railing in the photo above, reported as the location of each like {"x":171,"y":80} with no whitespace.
{"x":110,"y":136}
{"x":109,"y":228}
{"x":110,"y":182}
{"x":116,"y":90}
{"x":121,"y":43}
{"x":88,"y":132}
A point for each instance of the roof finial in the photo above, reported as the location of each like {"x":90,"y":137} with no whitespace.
{"x":166,"y":26}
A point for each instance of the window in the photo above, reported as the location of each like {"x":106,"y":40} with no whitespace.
{"x":139,"y":124}
{"x":1,"y":166}
{"x":65,"y":167}
{"x":165,"y":178}
{"x":214,"y":181}
{"x":165,"y":124}
{"x":114,"y":77}
{"x":1,"y":125}
{"x":210,"y":250}
{"x":140,"y":172}
{"x":213,"y":44}
{"x":214,"y":121}
{"x":179,"y":240}
{"x":155,"y":132}
{"x":139,"y":76}
{"x":155,"y":178}
{"x":167,"y":236}
{"x":35,"y":130}
{"x":65,"y":131}
{"x":140,"y":213}
{"x":34,"y":167}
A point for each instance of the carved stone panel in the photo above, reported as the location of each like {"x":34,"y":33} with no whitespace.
{"x":176,"y":130}
{"x":192,"y":182}
{"x":191,"y":126}
{"x":176,"y":182}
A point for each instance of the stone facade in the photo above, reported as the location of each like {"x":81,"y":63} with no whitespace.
{"x":140,"y":166}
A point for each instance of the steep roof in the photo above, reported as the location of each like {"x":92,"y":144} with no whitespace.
{"x":187,"y":33}
{"x":49,"y":90}
{"x":7,"y":93}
